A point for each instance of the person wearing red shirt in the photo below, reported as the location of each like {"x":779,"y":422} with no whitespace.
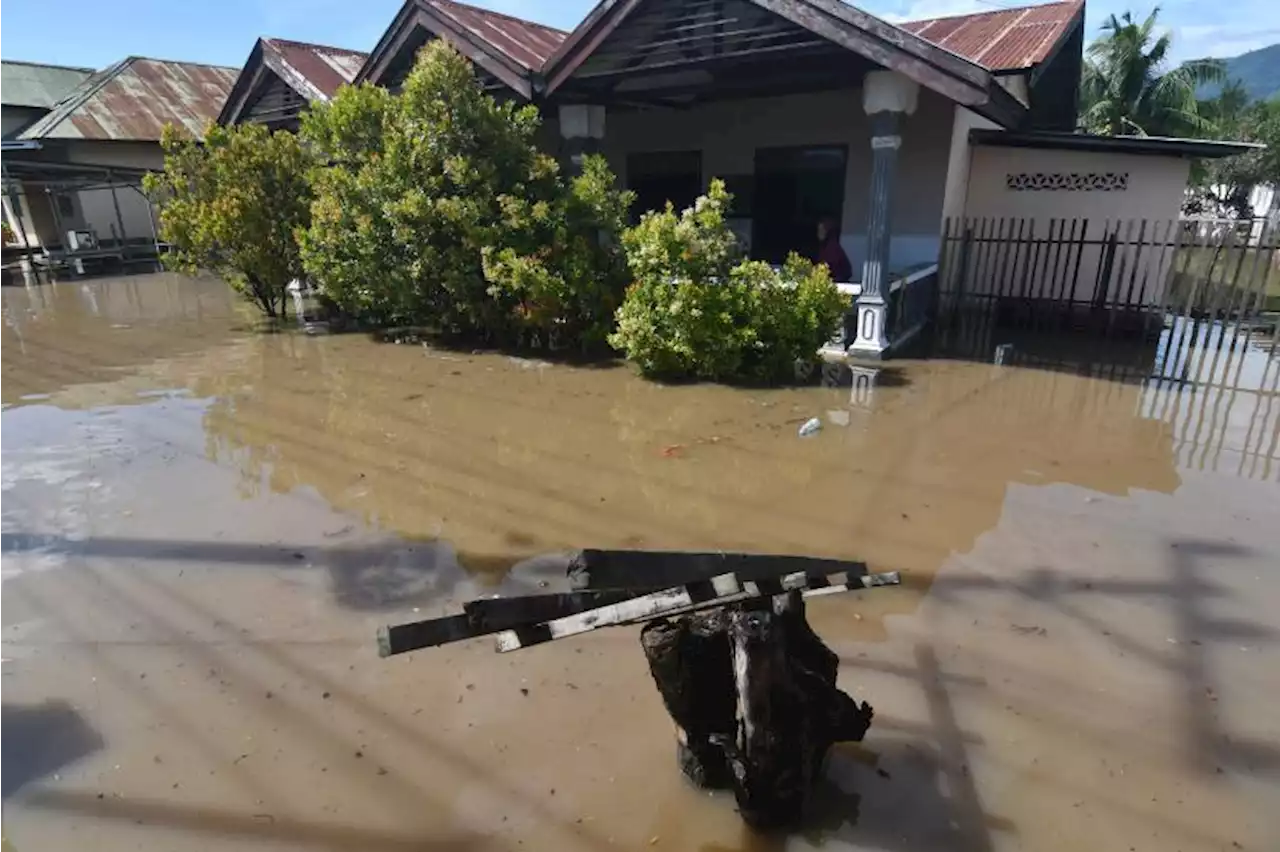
{"x":830,"y":252}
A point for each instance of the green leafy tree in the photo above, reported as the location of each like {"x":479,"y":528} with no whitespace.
{"x":697,"y":310}
{"x":562,"y":263}
{"x":231,"y":204}
{"x":435,"y":207}
{"x":1224,"y":186}
{"x":1129,"y":87}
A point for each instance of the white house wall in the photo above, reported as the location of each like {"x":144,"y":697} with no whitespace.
{"x":729,"y":132}
{"x":1110,"y":190}
{"x":957,"y":186}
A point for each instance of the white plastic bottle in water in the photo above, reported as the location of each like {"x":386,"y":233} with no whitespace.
{"x":810,"y":427}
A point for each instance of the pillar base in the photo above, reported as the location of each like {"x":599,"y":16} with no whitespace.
{"x":869,"y":331}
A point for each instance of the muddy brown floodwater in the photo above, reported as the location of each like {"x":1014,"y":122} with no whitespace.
{"x":203,"y":526}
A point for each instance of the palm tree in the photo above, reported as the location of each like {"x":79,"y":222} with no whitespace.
{"x":1128,"y":88}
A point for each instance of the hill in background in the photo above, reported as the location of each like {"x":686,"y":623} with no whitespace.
{"x":1258,"y":70}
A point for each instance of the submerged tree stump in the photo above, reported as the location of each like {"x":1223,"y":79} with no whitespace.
{"x":752,"y":690}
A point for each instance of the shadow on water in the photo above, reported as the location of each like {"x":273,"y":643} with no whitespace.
{"x":247,"y":827}
{"x":366,"y":577}
{"x":42,"y":739}
{"x":472,"y":463}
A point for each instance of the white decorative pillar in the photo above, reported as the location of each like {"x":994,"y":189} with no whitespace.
{"x":886,"y":97}
{"x":582,"y":128}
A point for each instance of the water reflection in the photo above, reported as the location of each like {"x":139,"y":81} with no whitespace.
{"x":469,"y":466}
{"x":61,"y":337}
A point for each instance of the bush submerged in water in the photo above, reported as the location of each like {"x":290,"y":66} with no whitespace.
{"x":697,"y":310}
{"x":435,"y":208}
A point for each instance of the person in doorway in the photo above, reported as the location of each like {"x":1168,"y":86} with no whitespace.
{"x":830,"y":252}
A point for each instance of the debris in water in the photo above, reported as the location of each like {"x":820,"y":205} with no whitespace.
{"x":810,"y":427}
{"x":673,"y":451}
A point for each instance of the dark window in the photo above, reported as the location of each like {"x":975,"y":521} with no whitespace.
{"x":657,"y":178}
{"x":794,"y":188}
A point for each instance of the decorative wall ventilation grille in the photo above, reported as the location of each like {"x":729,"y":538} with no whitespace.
{"x":1069,"y":181}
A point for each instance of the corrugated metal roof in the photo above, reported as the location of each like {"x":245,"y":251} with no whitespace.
{"x":524,"y":42}
{"x":1001,"y":40}
{"x":31,"y":84}
{"x":135,"y":98}
{"x":325,"y":68}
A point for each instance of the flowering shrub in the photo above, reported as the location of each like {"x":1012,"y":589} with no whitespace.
{"x":697,"y":310}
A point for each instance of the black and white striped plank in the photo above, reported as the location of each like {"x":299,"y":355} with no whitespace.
{"x":816,"y":587}
{"x":678,"y":600}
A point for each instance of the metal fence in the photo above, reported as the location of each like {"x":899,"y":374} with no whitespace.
{"x":1124,"y":278}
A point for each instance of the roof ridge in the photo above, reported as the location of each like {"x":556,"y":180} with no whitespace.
{"x":297,"y":43}
{"x":998,"y":11}
{"x":76,"y":98}
{"x":32,"y":64}
{"x":133,"y":56}
{"x":503,"y":15}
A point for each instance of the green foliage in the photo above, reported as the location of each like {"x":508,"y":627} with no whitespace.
{"x":435,"y":207}
{"x":796,"y":313}
{"x":1128,"y":89}
{"x":1224,"y":185}
{"x":231,"y":206}
{"x":561,"y":261}
{"x":697,"y":310}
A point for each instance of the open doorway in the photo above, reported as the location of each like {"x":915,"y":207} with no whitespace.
{"x":794,"y":188}
{"x":663,"y":176}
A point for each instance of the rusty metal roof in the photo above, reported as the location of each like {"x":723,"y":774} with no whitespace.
{"x":135,"y":98}
{"x":324,"y":68}
{"x":524,"y":42}
{"x":1004,"y":39}
{"x":32,"y":84}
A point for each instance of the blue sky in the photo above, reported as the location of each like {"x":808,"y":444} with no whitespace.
{"x":94,"y":34}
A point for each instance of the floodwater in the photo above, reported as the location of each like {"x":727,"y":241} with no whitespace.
{"x":203,"y":527}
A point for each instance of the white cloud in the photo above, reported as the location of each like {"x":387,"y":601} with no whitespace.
{"x":1221,"y":40}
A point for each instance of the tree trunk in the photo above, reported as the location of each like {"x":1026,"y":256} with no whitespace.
{"x":753,"y":694}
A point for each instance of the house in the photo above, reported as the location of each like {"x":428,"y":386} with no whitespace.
{"x":282,"y":77}
{"x":28,"y":90}
{"x":814,"y":109}
{"x":73,"y":175}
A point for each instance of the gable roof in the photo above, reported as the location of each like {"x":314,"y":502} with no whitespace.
{"x":528,"y":43}
{"x":135,"y":98}
{"x":1003,"y":39}
{"x":32,"y":84}
{"x":515,"y":51}
{"x":314,"y":71}
{"x":507,"y":48}
{"x":324,"y":68}
{"x":830,"y":22}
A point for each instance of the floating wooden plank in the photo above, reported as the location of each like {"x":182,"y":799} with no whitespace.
{"x":680,"y":600}
{"x":401,"y":638}
{"x":489,"y":615}
{"x":817,"y":587}
{"x":501,"y":613}
{"x":650,"y":569}
{"x":717,"y":591}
